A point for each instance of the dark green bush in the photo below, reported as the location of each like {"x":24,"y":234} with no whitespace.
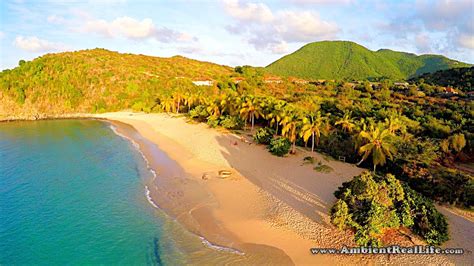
{"x":264,"y":135}
{"x":213,"y":121}
{"x":370,"y":204}
{"x":231,"y":122}
{"x":199,"y":112}
{"x":279,"y":146}
{"x":428,"y":222}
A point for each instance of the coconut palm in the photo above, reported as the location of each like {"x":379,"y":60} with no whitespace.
{"x":346,"y":122}
{"x":178,"y":98}
{"x":312,"y":126}
{"x":275,"y":113}
{"x":290,"y":121}
{"x":213,"y":107}
{"x":377,"y":144}
{"x":190,"y":99}
{"x":394,"y":124}
{"x":168,"y":104}
{"x":250,"y":109}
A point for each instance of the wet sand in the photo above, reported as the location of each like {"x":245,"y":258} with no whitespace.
{"x":271,"y":209}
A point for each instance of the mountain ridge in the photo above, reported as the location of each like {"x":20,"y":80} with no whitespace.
{"x":350,"y":60}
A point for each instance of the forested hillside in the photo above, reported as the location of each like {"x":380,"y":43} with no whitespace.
{"x":461,"y":78}
{"x":351,"y":61}
{"x":95,"y":80}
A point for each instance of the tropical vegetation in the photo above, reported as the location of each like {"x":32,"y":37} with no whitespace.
{"x":372,"y":204}
{"x":416,"y":132}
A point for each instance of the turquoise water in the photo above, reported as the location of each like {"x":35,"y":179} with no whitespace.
{"x":73,"y":192}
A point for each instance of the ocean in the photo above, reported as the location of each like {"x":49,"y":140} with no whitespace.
{"x":74,"y":192}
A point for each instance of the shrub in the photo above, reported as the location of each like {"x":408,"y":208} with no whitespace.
{"x":231,"y":122}
{"x":213,"y":121}
{"x":279,"y":146}
{"x":199,"y":112}
{"x":323,"y":168}
{"x":370,"y":204}
{"x":428,"y":222}
{"x":264,"y":135}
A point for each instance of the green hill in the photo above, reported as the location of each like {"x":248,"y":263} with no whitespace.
{"x":95,"y":80}
{"x":349,"y":60}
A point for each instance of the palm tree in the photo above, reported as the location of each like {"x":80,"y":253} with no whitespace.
{"x":290,"y":122}
{"x":377,"y":144}
{"x":168,"y":104}
{"x":177,"y":98}
{"x":250,"y":109}
{"x":312,"y":126}
{"x":394,"y":124}
{"x":275,"y":113}
{"x":190,"y":99}
{"x":346,"y":122}
{"x":213,"y":107}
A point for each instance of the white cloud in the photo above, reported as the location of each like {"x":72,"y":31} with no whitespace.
{"x":466,"y":41}
{"x":423,"y":43}
{"x":134,"y":29}
{"x":265,"y":29}
{"x":248,"y":11}
{"x":35,"y":44}
{"x":443,"y":14}
{"x":303,"y":26}
{"x":324,"y":2}
{"x":2,"y":35}
{"x":55,"y":19}
{"x":280,"y":48}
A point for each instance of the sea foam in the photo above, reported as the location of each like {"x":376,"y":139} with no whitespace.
{"x":204,"y":241}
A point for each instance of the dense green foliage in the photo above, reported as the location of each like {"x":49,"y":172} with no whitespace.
{"x":279,"y":146}
{"x":264,"y":135}
{"x":96,"y":81}
{"x":462,"y":78}
{"x":370,"y":204}
{"x":348,"y":60}
{"x":416,"y":132}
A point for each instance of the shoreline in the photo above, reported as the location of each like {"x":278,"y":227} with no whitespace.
{"x":269,"y":201}
{"x":270,"y":206}
{"x":120,"y":130}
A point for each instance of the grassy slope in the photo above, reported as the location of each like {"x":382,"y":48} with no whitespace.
{"x":348,"y":60}
{"x":88,"y":80}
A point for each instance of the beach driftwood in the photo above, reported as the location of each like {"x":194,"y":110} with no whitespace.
{"x":225,"y":173}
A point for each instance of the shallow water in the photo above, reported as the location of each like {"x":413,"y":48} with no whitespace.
{"x":72,"y":191}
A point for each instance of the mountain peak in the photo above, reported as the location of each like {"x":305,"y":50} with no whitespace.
{"x":350,"y":60}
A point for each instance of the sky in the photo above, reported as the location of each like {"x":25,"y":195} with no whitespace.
{"x":232,"y":32}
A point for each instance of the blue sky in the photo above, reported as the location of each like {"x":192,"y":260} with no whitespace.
{"x":232,"y":32}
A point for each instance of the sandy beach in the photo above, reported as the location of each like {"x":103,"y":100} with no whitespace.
{"x":271,"y":209}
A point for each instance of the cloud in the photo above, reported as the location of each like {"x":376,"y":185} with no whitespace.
{"x":265,"y":29}
{"x":248,"y":11}
{"x":444,"y":14}
{"x":55,"y":19}
{"x":134,"y":29}
{"x":466,"y":41}
{"x":2,"y":35}
{"x":37,"y":45}
{"x":323,"y":2}
{"x":423,"y":43}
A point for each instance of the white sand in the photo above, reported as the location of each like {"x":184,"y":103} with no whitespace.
{"x":272,"y":201}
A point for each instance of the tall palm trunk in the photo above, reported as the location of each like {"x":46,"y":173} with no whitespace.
{"x":312,"y":142}
{"x":177,"y":110}
{"x":253,"y":119}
